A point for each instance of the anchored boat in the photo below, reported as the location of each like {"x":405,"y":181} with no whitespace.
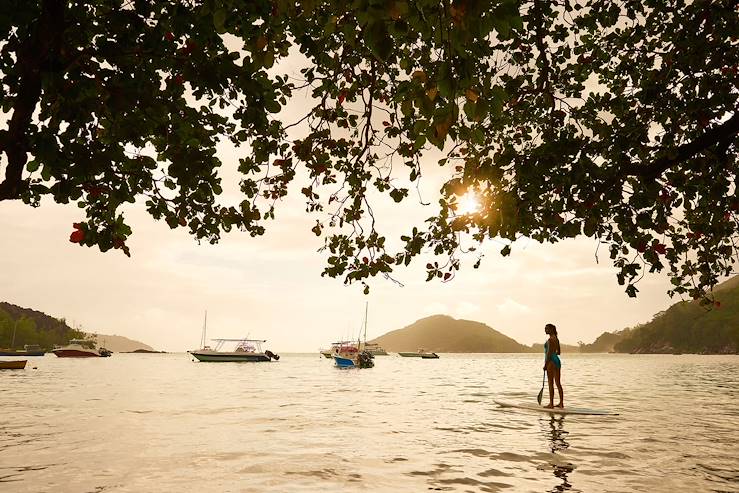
{"x":375,"y":349}
{"x":421,"y":353}
{"x":337,"y":347}
{"x":360,"y":359}
{"x":81,"y":348}
{"x":354,"y":354}
{"x":13,"y":365}
{"x":28,"y":350}
{"x":249,"y":350}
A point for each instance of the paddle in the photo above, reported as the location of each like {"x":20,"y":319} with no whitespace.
{"x":541,"y":392}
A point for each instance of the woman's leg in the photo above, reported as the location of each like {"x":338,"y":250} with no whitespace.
{"x":550,"y":379}
{"x":557,"y":376}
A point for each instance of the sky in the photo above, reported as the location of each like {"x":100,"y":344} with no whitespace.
{"x":270,"y":287}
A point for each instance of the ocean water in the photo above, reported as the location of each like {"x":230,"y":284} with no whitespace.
{"x":163,"y":423}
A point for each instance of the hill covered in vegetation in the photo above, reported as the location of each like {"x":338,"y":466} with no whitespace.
{"x":444,"y":334}
{"x":604,"y":343}
{"x":688,"y":327}
{"x":20,"y":326}
{"x":33,"y":327}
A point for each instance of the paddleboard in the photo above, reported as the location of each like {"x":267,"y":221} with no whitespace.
{"x":556,"y":410}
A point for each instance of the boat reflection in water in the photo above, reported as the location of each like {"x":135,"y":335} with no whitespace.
{"x":246,"y":350}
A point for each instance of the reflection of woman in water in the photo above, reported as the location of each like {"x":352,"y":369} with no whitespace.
{"x":557,"y":437}
{"x":557,"y":434}
{"x":552,"y":364}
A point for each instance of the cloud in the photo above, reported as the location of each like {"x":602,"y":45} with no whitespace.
{"x":436,"y":308}
{"x":512,"y":307}
{"x":466,"y":309}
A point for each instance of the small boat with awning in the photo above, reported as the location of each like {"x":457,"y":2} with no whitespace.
{"x":421,"y":353}
{"x":245,"y":350}
{"x":335,"y":346}
{"x":375,"y":349}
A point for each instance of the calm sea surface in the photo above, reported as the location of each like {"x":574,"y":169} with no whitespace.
{"x":162,"y":423}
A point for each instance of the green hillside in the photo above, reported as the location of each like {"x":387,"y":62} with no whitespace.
{"x":604,"y":343}
{"x":444,"y":334}
{"x":33,"y":327}
{"x":687,"y":327}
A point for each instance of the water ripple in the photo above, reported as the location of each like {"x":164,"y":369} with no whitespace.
{"x":158,"y":423}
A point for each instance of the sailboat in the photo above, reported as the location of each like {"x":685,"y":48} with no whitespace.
{"x":354,"y":356}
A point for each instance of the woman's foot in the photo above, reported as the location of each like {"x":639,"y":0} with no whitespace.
{"x":560,"y":405}
{"x":549,"y":406}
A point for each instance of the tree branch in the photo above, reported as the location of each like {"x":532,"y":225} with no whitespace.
{"x":720,"y":135}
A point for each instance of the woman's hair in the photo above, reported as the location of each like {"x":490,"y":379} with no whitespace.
{"x":551,"y":329}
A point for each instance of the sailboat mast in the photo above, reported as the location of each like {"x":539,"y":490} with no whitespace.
{"x":205,"y":324}
{"x":366,"y":307}
{"x":15,"y":328}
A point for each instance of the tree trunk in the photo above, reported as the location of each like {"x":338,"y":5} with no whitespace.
{"x":39,"y":52}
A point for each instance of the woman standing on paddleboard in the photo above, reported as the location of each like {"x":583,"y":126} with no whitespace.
{"x":552,"y":364}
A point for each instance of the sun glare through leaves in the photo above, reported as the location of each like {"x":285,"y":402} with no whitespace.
{"x":469,"y":203}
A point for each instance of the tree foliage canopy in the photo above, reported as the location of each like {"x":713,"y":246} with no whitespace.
{"x":616,"y":120}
